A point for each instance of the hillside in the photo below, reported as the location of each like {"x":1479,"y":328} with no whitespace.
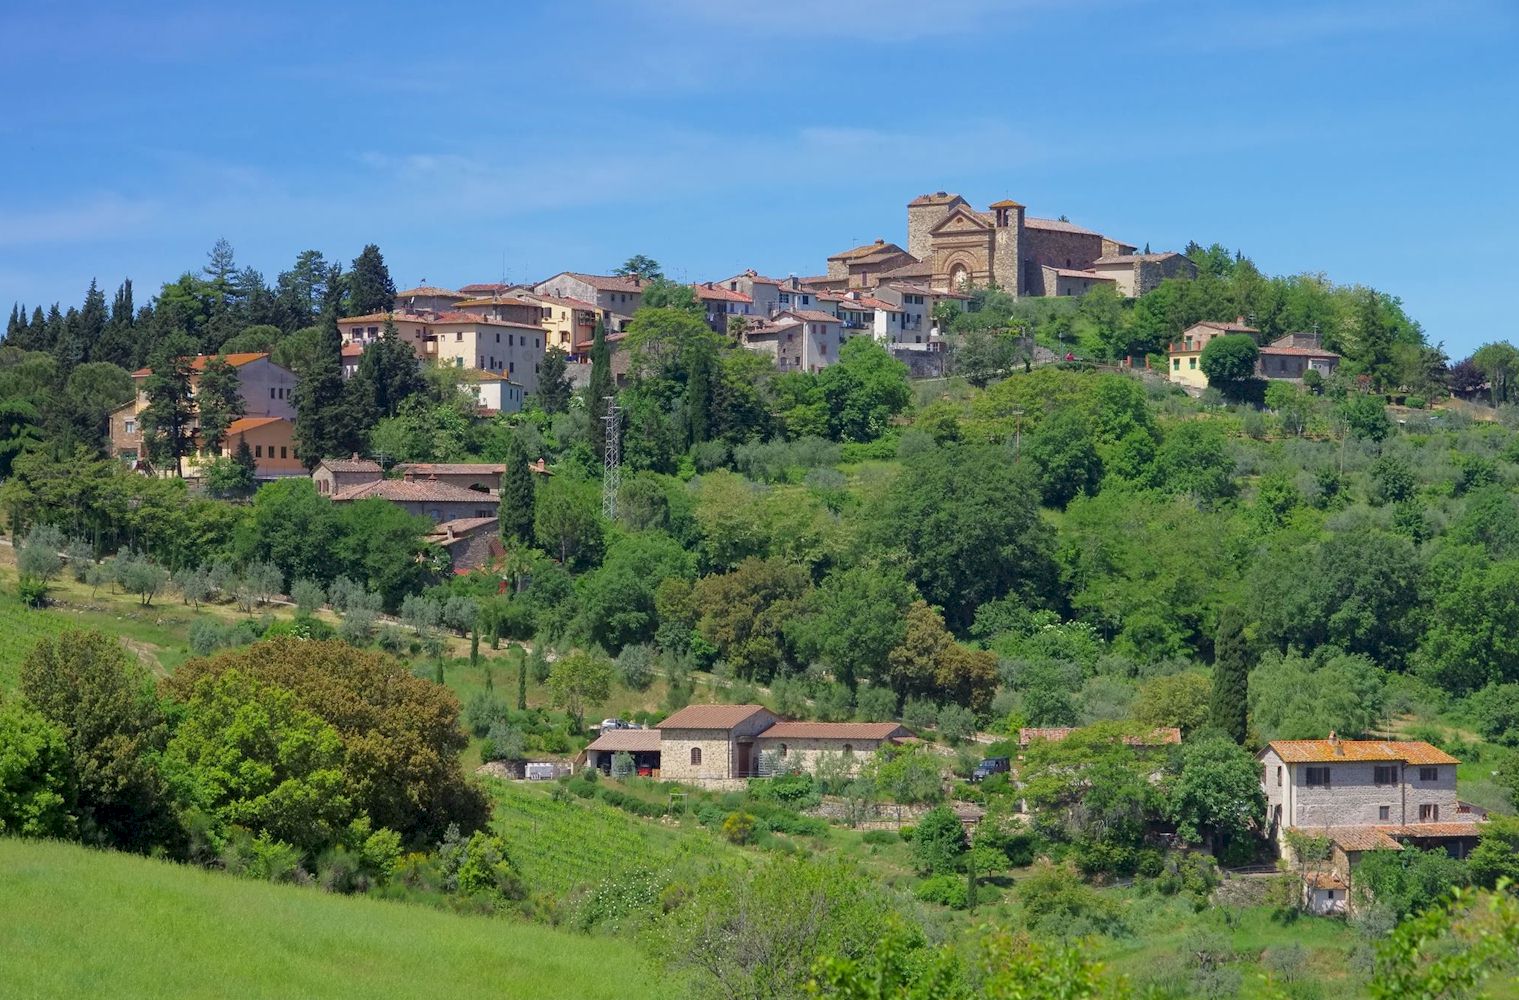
{"x":84,"y":923}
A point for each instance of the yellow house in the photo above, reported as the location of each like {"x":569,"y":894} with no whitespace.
{"x":271,"y":441}
{"x":1185,"y":355}
{"x":566,"y":321}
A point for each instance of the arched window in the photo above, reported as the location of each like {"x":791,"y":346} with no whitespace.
{"x":695,"y":756}
{"x":783,"y":749}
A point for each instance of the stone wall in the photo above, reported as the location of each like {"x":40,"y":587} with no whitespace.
{"x":1055,"y":249}
{"x":804,"y":754}
{"x":921,"y":219}
{"x":1007,"y":253}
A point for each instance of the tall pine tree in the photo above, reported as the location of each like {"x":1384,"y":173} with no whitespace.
{"x":370,"y":289}
{"x":324,"y":424}
{"x":516,"y":507}
{"x":1231,"y":676}
{"x":600,"y":389}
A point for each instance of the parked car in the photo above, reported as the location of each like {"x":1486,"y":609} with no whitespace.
{"x":989,"y":767}
{"x":607,"y":725}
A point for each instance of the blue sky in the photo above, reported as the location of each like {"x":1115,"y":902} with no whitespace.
{"x":1371,"y":141}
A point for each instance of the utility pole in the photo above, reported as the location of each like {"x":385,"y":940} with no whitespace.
{"x":611,"y":476}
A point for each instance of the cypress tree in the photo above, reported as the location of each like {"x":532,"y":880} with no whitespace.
{"x":699,"y":399}
{"x":522,"y":684}
{"x":516,"y":508}
{"x":168,"y":419}
{"x":324,"y":422}
{"x":599,"y":389}
{"x":553,"y":383}
{"x":1231,"y":676}
{"x":16,"y":324}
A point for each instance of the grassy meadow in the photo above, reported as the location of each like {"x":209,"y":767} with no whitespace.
{"x":78,"y":923}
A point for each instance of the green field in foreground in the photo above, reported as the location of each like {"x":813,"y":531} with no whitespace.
{"x":80,"y":923}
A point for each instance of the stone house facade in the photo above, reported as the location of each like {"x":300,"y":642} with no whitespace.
{"x":616,"y":298}
{"x":799,"y":746}
{"x":711,"y":742}
{"x":333,"y":475}
{"x":471,"y":543}
{"x":482,"y":476}
{"x":1134,"y":274}
{"x":439,"y":502}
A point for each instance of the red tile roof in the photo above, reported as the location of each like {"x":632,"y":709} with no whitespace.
{"x":398,"y":316}
{"x":810,"y":315}
{"x":878,"y":248}
{"x":565,"y":300}
{"x":1359,"y":838}
{"x":354,"y":464}
{"x":198,"y":363}
{"x":242,"y":424}
{"x":711,"y":716}
{"x":1323,"y":880}
{"x":1328,"y":751}
{"x":1055,"y":225}
{"x":936,"y":198}
{"x":1071,"y":272}
{"x":496,"y":300}
{"x":1300,"y":352}
{"x":1134,"y":258}
{"x":1005,"y":203}
{"x":607,"y":282}
{"x":1417,"y":831}
{"x":716,"y":293}
{"x":351,"y":350}
{"x":834,"y":731}
{"x":430,"y":292}
{"x":458,"y":318}
{"x":461,"y":527}
{"x":1238,"y":326}
{"x":486,"y":288}
{"x":416,"y":491}
{"x":451,"y":468}
{"x":627,"y":741}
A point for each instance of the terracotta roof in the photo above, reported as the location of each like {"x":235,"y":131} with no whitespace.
{"x":627,"y":740}
{"x":868,"y":250}
{"x":1323,"y":880}
{"x":451,"y":468}
{"x":565,"y":300}
{"x":1329,"y":751}
{"x":709,"y":290}
{"x":1055,"y":225}
{"x":1071,"y":272}
{"x":1238,"y":326}
{"x":1421,"y":830}
{"x":496,"y":300}
{"x":816,"y":279}
{"x":605,"y":282}
{"x":1005,"y":203}
{"x":416,"y":491}
{"x":354,"y":464}
{"x":936,"y":198}
{"x":462,"y":525}
{"x":198,"y":363}
{"x":242,"y":424}
{"x":456,"y":318}
{"x":834,"y":731}
{"x":400,"y":316}
{"x":1300,"y":352}
{"x":912,"y":289}
{"x":710,"y":716}
{"x":1134,"y":258}
{"x":1160,"y":736}
{"x":351,"y":350}
{"x":1358,"y":838}
{"x":921,"y":269}
{"x":431,"y":292}
{"x":872,"y":302}
{"x":810,"y":315}
{"x":758,"y":279}
{"x":486,"y":288}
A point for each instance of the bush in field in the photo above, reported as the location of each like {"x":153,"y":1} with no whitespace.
{"x":635,"y":666}
{"x":307,"y":595}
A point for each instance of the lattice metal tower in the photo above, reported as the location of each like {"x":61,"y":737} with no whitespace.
{"x":611,"y":476}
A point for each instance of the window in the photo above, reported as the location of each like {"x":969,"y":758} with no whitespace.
{"x":271,"y":392}
{"x":1429,"y":774}
{"x":282,"y":451}
{"x":1318,"y":777}
{"x":1385,"y":775}
{"x":695,"y":756}
{"x":1384,"y":812}
{"x":1279,"y":777}
{"x":1192,"y":363}
{"x":458,"y":336}
{"x":1429,"y":813}
{"x":1176,"y":364}
{"x":783,"y":749}
{"x":498,"y":338}
{"x":258,"y":451}
{"x":129,"y":426}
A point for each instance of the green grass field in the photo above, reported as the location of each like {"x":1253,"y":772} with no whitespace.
{"x":80,"y":923}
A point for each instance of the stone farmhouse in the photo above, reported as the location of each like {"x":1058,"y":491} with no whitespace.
{"x":721,"y":744}
{"x":267,"y":391}
{"x":1287,"y":358}
{"x":1362,"y":795}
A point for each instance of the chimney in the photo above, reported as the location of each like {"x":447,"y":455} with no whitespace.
{"x":637,"y":280}
{"x":1334,"y":742}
